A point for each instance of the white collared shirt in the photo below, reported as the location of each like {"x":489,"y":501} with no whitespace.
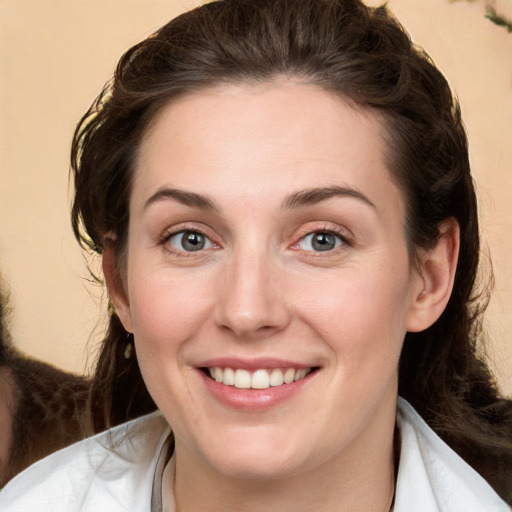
{"x":121,"y":470}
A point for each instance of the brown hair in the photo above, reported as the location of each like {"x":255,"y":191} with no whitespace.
{"x":47,"y":405}
{"x":5,"y":335}
{"x":49,"y":410}
{"x":362,"y":54}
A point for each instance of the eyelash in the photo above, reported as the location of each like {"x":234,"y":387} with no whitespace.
{"x":339,"y":233}
{"x":168,"y":235}
{"x":328,"y":230}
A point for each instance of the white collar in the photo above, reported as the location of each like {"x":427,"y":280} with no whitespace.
{"x":432,"y":477}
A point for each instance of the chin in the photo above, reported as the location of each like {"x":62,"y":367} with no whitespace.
{"x":256,"y":456}
{"x":245,"y":467}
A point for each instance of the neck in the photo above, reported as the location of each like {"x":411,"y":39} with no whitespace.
{"x":293,"y":495}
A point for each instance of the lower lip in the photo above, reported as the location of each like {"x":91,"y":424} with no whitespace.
{"x":254,"y":399}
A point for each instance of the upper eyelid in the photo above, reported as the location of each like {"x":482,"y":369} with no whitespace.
{"x":326,"y":227}
{"x":342,"y":242}
{"x":186,"y":226}
{"x":164,"y":239}
{"x":183,"y":231}
{"x":343,"y":234}
{"x":338,"y":234}
{"x":165,"y":245}
{"x":304,"y":230}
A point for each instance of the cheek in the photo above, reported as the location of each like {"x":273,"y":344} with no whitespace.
{"x":166,"y":312}
{"x":166,"y":315}
{"x":359,"y":313}
{"x":169,"y":312}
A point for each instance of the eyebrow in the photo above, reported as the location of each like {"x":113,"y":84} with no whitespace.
{"x":297,"y":199}
{"x":181,"y":196}
{"x":316,"y":195}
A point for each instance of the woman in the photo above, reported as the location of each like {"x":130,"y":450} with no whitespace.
{"x":280,"y":192}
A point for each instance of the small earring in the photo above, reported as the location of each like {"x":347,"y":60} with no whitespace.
{"x":129,"y":346}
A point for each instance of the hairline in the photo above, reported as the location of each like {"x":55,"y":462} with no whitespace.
{"x":157,"y":108}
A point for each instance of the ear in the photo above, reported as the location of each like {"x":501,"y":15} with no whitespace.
{"x":435,"y":277}
{"x":116,"y":288}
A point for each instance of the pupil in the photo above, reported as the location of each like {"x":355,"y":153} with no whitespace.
{"x":323,"y":242}
{"x":193,"y":241}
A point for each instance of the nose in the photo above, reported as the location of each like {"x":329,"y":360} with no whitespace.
{"x":252,"y":302}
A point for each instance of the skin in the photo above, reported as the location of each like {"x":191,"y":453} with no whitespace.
{"x":259,"y":290}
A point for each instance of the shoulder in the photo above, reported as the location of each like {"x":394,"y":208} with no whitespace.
{"x":431,"y":475}
{"x":113,"y":469}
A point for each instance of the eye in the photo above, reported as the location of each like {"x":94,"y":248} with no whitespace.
{"x":320,"y":241}
{"x":189,"y":241}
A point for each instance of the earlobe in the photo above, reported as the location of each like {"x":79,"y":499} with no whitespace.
{"x":435,"y":278}
{"x":116,"y":288}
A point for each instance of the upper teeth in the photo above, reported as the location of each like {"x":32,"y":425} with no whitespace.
{"x":258,"y":379}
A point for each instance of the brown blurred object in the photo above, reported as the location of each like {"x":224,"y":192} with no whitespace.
{"x":42,"y":408}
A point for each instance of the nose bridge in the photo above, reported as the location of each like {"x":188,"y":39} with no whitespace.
{"x":250,"y":301}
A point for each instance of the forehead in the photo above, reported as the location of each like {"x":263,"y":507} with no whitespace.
{"x":276,"y":108}
{"x":251,"y":136}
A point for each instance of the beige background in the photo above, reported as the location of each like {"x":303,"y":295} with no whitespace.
{"x":55,"y":56}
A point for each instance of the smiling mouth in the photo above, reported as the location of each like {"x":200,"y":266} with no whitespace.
{"x":257,"y":379}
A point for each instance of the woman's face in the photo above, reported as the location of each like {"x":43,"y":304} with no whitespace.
{"x":266,"y":247}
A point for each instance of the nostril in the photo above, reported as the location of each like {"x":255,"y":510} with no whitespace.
{"x":266,"y":328}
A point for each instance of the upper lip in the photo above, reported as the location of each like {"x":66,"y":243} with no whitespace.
{"x":252,"y":364}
